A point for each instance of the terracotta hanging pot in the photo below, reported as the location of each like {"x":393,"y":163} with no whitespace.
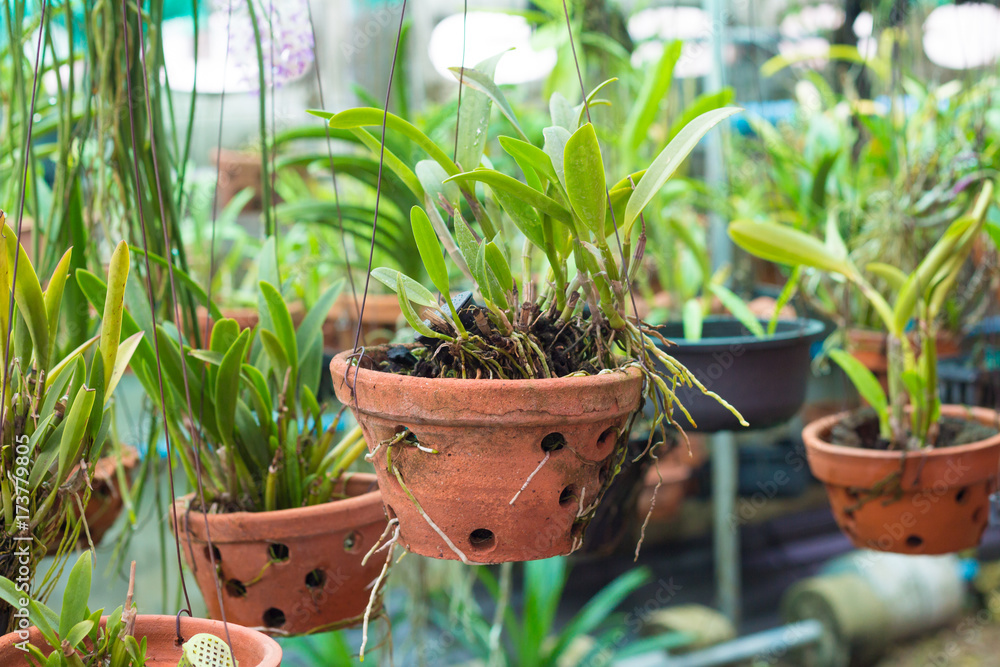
{"x":932,"y":501}
{"x":506,"y":470}
{"x":250,"y":648}
{"x":293,"y":571}
{"x":106,"y":499}
{"x":380,"y":317}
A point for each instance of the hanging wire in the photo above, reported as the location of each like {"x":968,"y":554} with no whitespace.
{"x":333,"y":169}
{"x":25,"y":153}
{"x":360,"y":353}
{"x":274,"y":147}
{"x":152,"y":304}
{"x":461,"y":81}
{"x":586,"y":105}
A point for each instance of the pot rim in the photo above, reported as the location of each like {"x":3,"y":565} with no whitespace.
{"x":296,"y":522}
{"x":803,"y":329}
{"x":815,"y":434}
{"x":618,"y":375}
{"x":271,"y":650}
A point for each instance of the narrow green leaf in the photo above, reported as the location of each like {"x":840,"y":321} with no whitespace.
{"x":555,"y":147}
{"x":474,"y":114}
{"x":122,"y":359}
{"x":864,"y":381}
{"x":114,"y":304}
{"x":53,"y":298}
{"x":479,"y":81}
{"x":77,"y":594}
{"x":737,"y":309}
{"x":524,"y":217}
{"x":889,"y":273}
{"x":655,"y":86}
{"x":430,"y":250}
{"x":835,"y":245}
{"x":78,"y":633}
{"x":499,"y":266}
{"x":227,"y":390}
{"x":786,"y":245}
{"x":414,"y":321}
{"x":284,"y":329}
{"x":668,"y":160}
{"x":366,"y":116}
{"x":415,"y":292}
{"x":29,"y":298}
{"x":72,"y":437}
{"x":516,"y":188}
{"x":692,"y":319}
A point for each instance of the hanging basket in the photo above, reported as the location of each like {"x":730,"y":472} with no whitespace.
{"x":250,"y":648}
{"x":932,"y":501}
{"x":289,"y":572}
{"x":481,"y":444}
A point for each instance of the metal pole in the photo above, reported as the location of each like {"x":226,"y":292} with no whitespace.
{"x":725,"y":475}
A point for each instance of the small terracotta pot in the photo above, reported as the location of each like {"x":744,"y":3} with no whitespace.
{"x":106,"y":499}
{"x":381,"y":314}
{"x":238,"y":170}
{"x":250,"y":648}
{"x":491,"y":436}
{"x":871,"y":349}
{"x":293,"y":571}
{"x":926,"y":502}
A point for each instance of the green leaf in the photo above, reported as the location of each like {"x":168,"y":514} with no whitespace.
{"x":655,"y":86}
{"x":197,"y":291}
{"x":415,"y":292}
{"x":499,"y":266}
{"x":277,"y":355}
{"x":53,"y":298}
{"x":562,"y":113}
{"x":529,"y":154}
{"x":842,"y":52}
{"x":469,"y":247}
{"x":474,"y":114}
{"x":414,"y":321}
{"x":864,"y":381}
{"x":122,"y":359}
{"x":738,"y":309}
{"x":555,"y":147}
{"x":227,"y":391}
{"x":74,"y":603}
{"x":692,"y":317}
{"x":311,"y":328}
{"x":114,"y":304}
{"x":889,"y":273}
{"x":586,"y":188}
{"x":516,"y":188}
{"x":524,"y":217}
{"x":364,"y":116}
{"x":477,"y":80}
{"x":786,"y":245}
{"x":29,"y":298}
{"x":791,"y":285}
{"x":430,"y":250}
{"x":432,"y":178}
{"x":72,"y":437}
{"x":283,"y":327}
{"x":835,"y":245}
{"x":78,"y":633}
{"x":668,"y":160}
{"x":70,"y":359}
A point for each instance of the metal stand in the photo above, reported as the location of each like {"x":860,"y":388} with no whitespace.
{"x":725,"y":486}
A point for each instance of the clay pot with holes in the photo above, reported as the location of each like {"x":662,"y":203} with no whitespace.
{"x":106,"y":501}
{"x":491,"y":471}
{"x":250,"y":648}
{"x":932,"y":501}
{"x":293,"y":571}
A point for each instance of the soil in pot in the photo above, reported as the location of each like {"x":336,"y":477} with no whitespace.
{"x":930,"y":501}
{"x":251,"y":649}
{"x":289,"y":572}
{"x":488,"y":470}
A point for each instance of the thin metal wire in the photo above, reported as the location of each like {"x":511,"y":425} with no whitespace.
{"x":25,"y":153}
{"x":461,"y":81}
{"x":586,"y":106}
{"x":333,"y":169}
{"x":378,"y":195}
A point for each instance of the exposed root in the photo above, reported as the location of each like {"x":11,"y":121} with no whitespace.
{"x":652,"y":504}
{"x":378,"y":543}
{"x":434,"y":526}
{"x":375,"y":590}
{"x":530,"y":477}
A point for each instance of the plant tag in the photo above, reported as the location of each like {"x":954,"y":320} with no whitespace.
{"x":205,"y":650}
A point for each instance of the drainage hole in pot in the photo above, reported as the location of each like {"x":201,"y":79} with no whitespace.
{"x":962,"y":495}
{"x":482,"y":539}
{"x":914,"y":541}
{"x":553,"y":442}
{"x":569,"y":496}
{"x":277,"y":552}
{"x":274,"y":618}
{"x":409,"y":437}
{"x":607,"y":438}
{"x":214,"y":551}
{"x":316,"y":578}
{"x":352,"y":543}
{"x":236,"y":588}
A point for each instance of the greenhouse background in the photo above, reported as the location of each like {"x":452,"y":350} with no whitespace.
{"x":500,"y":333}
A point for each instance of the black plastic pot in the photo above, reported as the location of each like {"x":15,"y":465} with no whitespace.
{"x":764,"y":378}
